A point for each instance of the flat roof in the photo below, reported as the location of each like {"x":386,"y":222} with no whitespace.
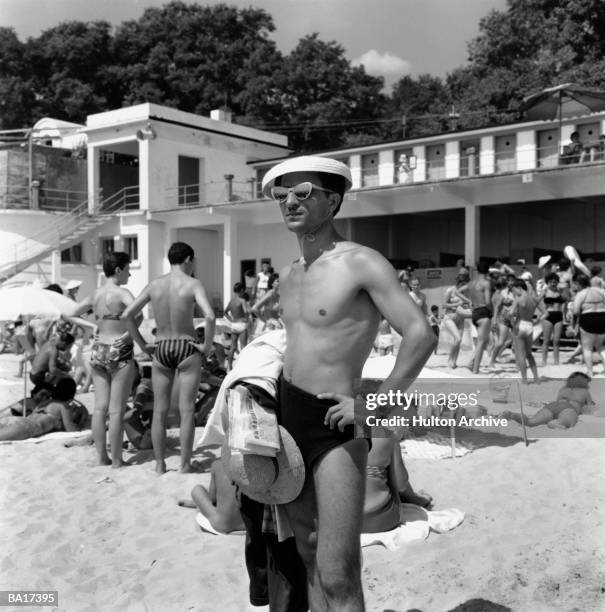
{"x":148,"y":111}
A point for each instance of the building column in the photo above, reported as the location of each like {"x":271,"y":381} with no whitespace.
{"x":487,"y":155}
{"x":144,"y":174}
{"x":419,"y":173}
{"x":55,"y":266}
{"x":355,"y":166}
{"x":230,"y":272}
{"x":94,"y":171}
{"x":452,"y":159}
{"x":472,"y":225}
{"x":386,"y":168}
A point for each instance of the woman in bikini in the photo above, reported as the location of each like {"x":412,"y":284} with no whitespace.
{"x":237,"y":312}
{"x":502,"y":302}
{"x":572,"y":400}
{"x":456,"y":310}
{"x":268,"y":308}
{"x":554,"y":301}
{"x":55,"y":415}
{"x":112,"y":356}
{"x":522,"y":313}
{"x":387,"y":486}
{"x":589,"y":307}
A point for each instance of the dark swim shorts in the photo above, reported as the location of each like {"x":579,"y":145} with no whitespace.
{"x":302,"y":414}
{"x":481,"y":312}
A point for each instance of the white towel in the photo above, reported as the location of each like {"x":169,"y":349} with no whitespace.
{"x":205,"y":524}
{"x":416,"y":525}
{"x":260,"y":363}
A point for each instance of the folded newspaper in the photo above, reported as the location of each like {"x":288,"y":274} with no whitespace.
{"x":252,"y":428}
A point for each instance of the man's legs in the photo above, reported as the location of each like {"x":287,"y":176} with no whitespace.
{"x":482,"y":339}
{"x":327,"y":519}
{"x":161,"y":380}
{"x":452,"y":328}
{"x":520,"y":357}
{"x":588,"y":341}
{"x":190,"y":373}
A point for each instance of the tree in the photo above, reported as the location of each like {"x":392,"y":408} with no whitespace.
{"x":319,"y":98}
{"x":67,"y":64}
{"x":193,"y":57}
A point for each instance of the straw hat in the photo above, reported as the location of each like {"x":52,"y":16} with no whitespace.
{"x":526,"y":276}
{"x":72,"y":284}
{"x":544,"y":260}
{"x":307,"y":163}
{"x":268,"y":480}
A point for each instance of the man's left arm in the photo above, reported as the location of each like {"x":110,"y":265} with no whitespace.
{"x":379,"y":279}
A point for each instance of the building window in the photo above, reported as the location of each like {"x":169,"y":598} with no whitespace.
{"x":469,"y":157}
{"x":108,"y":245}
{"x":260,"y":174}
{"x":72,"y":254}
{"x":131,"y":246}
{"x":369,"y":170}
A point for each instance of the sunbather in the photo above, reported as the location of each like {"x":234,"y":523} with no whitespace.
{"x":57,"y":415}
{"x":572,"y":400}
{"x":387,"y":485}
{"x":219,"y":504}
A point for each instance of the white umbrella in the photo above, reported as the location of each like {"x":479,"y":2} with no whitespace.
{"x":17,"y":302}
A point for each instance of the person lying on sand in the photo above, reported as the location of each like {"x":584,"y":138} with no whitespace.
{"x":572,"y":400}
{"x":40,"y":396}
{"x":219,"y":504}
{"x":57,"y":415}
{"x":387,"y":485}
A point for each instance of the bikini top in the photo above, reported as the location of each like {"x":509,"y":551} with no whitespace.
{"x":110,"y":316}
{"x":559,"y":299}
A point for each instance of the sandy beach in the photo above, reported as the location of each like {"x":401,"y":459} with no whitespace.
{"x":533,"y":539}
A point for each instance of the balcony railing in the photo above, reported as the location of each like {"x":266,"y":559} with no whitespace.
{"x":211,"y":193}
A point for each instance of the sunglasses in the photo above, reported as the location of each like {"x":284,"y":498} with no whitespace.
{"x":301,"y":191}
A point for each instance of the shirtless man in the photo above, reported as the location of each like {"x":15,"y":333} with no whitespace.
{"x":418,"y":296}
{"x":237,"y":313}
{"x":173,"y":297}
{"x":522,"y":313}
{"x":480,"y":293}
{"x":52,"y":359}
{"x":332,"y":299}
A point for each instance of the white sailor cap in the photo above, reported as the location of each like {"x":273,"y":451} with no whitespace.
{"x":307,"y":163}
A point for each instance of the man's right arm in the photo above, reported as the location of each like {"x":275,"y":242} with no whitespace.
{"x":202,"y":301}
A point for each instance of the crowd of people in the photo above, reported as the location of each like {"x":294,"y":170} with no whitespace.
{"x":509,"y":309}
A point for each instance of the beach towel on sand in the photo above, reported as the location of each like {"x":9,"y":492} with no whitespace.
{"x":432,"y":446}
{"x":416,"y":525}
{"x":55,"y":435}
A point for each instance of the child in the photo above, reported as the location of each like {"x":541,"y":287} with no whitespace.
{"x":563,"y":413}
{"x":435,"y":323}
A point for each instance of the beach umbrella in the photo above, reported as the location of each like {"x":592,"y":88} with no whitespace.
{"x":28,"y":301}
{"x":562,"y":101}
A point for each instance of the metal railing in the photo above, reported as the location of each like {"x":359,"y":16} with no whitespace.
{"x":127,"y":198}
{"x":58,"y":230}
{"x":211,"y":193}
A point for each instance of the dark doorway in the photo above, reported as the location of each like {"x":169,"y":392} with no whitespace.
{"x":189,"y":181}
{"x":244,"y":266}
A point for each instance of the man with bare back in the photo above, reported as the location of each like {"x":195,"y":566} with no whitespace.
{"x":479,"y":291}
{"x":173,"y":297}
{"x":332,"y":299}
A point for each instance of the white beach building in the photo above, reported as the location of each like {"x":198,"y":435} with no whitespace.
{"x":153,"y":175}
